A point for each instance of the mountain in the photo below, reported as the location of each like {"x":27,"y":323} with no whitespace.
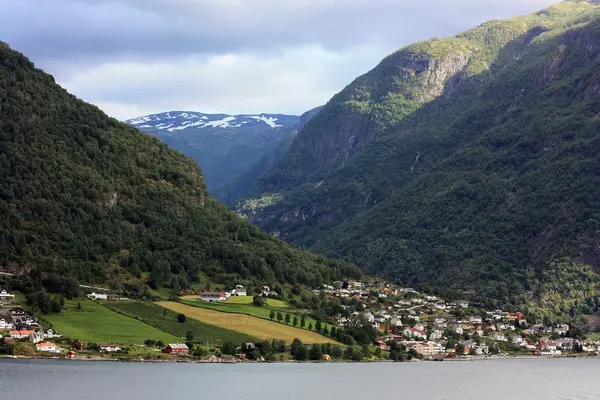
{"x":468,"y":164}
{"x":245,"y":183}
{"x":86,"y":197}
{"x":226,"y":146}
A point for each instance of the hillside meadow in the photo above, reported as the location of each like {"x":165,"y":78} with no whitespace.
{"x":96,"y":323}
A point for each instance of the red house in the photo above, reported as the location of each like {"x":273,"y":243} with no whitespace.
{"x":176,"y":348}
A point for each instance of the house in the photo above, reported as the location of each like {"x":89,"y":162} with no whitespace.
{"x":550,"y":345}
{"x":5,"y":323}
{"x":239,"y":291}
{"x":109,"y":348}
{"x":565,"y":344}
{"x":436,"y":334}
{"x":427,"y":348}
{"x":48,"y":347}
{"x":369,"y":317}
{"x":36,"y":337}
{"x":414,"y":333}
{"x":457,"y":328}
{"x":517,"y":339}
{"x":213,"y":297}
{"x":20,"y":334}
{"x":499,"y":337}
{"x":97,"y":296}
{"x":176,"y":348}
{"x":562,"y":329}
{"x":51,"y":334}
{"x":5,"y":296}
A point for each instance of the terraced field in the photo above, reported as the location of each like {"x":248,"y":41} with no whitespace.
{"x":252,"y":326}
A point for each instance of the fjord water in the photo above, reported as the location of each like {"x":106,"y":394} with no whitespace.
{"x":491,"y":380}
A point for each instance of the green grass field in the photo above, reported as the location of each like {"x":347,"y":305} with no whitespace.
{"x":257,"y":327}
{"x":253,"y":311}
{"x":247,"y":300}
{"x":166,"y":321}
{"x":96,"y":323}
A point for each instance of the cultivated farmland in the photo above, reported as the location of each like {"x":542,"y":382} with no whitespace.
{"x":166,"y":320}
{"x":248,"y":325}
{"x":96,"y":323}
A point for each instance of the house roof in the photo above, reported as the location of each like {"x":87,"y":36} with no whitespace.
{"x":45,"y":344}
{"x":178,"y":346}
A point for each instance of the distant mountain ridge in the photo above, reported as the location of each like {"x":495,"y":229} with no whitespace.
{"x":232,"y":150}
{"x":173,"y":121}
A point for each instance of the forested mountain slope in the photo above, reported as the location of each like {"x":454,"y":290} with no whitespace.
{"x":468,"y":163}
{"x":85,"y":196}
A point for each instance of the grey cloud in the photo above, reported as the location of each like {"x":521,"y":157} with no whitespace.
{"x":143,"y":29}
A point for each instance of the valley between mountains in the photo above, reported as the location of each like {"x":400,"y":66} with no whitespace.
{"x":444,"y":204}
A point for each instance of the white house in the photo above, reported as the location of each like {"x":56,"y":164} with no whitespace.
{"x":36,"y":337}
{"x":213,"y":297}
{"x":5,"y":324}
{"x":48,"y":347}
{"x":370,"y":317}
{"x":109,"y":348}
{"x":239,"y":291}
{"x":517,"y":339}
{"x":499,"y":337}
{"x":4,"y":295}
{"x":436,"y":334}
{"x":51,"y":334}
{"x":457,"y":328}
{"x":97,"y":296}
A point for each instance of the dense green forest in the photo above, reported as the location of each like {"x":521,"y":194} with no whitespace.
{"x":473,"y":166}
{"x":87,"y":197}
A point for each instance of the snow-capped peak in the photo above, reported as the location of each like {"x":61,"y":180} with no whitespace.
{"x":269,"y":121}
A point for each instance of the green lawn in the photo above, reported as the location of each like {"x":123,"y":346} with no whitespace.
{"x":96,"y":323}
{"x":166,"y":320}
{"x":274,"y":303}
{"x":260,"y":312}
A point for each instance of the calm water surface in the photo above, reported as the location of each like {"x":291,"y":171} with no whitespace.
{"x":489,"y":380}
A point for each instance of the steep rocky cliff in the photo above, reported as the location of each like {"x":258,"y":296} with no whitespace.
{"x":400,"y":85}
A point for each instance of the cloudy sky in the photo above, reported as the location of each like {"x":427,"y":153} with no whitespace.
{"x":136,"y":57}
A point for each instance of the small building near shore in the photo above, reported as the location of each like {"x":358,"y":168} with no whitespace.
{"x":176,"y":348}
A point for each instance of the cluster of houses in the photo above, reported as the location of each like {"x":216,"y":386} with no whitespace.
{"x":432,"y":327}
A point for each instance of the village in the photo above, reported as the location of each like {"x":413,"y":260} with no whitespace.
{"x":405,"y":319}
{"x":435,"y":328}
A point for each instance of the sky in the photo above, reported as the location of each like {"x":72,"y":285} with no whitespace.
{"x":138,"y":57}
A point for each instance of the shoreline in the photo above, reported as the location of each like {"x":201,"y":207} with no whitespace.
{"x":238,"y":361}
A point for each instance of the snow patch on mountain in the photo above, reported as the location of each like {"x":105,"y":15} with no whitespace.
{"x":269,"y":121}
{"x":223,"y":123}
